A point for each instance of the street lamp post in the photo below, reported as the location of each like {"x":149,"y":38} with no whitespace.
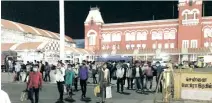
{"x":62,"y":30}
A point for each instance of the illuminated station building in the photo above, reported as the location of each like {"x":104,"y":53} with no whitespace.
{"x":31,"y":43}
{"x":181,"y":39}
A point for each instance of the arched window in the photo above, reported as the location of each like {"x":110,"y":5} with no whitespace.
{"x":195,"y":15}
{"x":114,"y":47}
{"x":166,"y":35}
{"x":139,"y":35}
{"x":103,"y":47}
{"x":132,"y":37}
{"x":207,"y":32}
{"x":114,"y":37}
{"x":128,"y":46}
{"x":104,"y":36}
{"x":172,"y":34}
{"x":185,"y":14}
{"x":108,"y":37}
{"x":154,"y":35}
{"x":160,"y":35}
{"x":143,"y":46}
{"x":127,"y":36}
{"x":206,"y":44}
{"x":92,"y":40}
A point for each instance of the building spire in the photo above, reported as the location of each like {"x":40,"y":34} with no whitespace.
{"x":203,"y":9}
{"x":173,"y":10}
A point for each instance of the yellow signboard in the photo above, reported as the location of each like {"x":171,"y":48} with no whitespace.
{"x":196,"y":81}
{"x":194,"y":85}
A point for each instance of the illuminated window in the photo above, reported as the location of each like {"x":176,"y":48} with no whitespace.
{"x":166,"y":45}
{"x":159,"y":45}
{"x":207,"y":32}
{"x":92,"y":40}
{"x":153,"y":46}
{"x":132,"y":46}
{"x":194,"y":44}
{"x":127,"y":36}
{"x":141,"y":35}
{"x":171,"y":45}
{"x":206,"y":44}
{"x":128,"y":46}
{"x":138,"y":46}
{"x":143,"y":45}
{"x":154,"y":35}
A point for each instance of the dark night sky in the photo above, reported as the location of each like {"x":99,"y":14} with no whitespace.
{"x":45,"y":14}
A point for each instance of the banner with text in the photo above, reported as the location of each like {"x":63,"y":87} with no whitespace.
{"x":196,"y":86}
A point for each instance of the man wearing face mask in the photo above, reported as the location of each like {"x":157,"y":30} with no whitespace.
{"x":69,"y":76}
{"x":34,"y":84}
{"x":59,"y":74}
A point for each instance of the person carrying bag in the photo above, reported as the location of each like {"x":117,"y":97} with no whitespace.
{"x":104,"y":83}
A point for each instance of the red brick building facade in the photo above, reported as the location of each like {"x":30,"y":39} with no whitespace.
{"x":184,"y":38}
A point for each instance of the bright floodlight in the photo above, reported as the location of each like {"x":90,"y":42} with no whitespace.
{"x":105,"y":55}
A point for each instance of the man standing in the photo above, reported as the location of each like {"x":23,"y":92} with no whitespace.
{"x":120,"y":75}
{"x":104,"y":78}
{"x":17,"y":70}
{"x":129,"y":78}
{"x":34,"y":84}
{"x":149,"y":76}
{"x":159,"y":69}
{"x":94,"y":72}
{"x":47,"y":72}
{"x":59,"y":74}
{"x":138,"y":74}
{"x":76,"y":75}
{"x":83,"y":74}
{"x":28,"y":70}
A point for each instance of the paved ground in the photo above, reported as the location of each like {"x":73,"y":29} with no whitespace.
{"x":49,"y":94}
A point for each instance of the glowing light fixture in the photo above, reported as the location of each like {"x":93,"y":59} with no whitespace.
{"x":105,"y":55}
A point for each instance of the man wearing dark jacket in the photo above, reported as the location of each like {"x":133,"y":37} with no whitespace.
{"x":47,"y":72}
{"x":159,"y":69}
{"x":138,"y":75}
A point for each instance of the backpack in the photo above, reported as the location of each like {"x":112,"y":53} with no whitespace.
{"x":149,"y":72}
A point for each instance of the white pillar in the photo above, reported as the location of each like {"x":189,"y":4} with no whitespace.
{"x":62,"y":30}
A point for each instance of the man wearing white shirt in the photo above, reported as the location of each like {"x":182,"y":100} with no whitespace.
{"x":4,"y":97}
{"x":59,"y":75}
{"x":17,"y":70}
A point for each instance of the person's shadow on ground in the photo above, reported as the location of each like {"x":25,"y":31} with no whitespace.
{"x":86,"y":100}
{"x":70,"y":100}
{"x":125,"y":93}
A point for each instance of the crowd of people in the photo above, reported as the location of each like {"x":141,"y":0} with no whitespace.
{"x":135,"y":75}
